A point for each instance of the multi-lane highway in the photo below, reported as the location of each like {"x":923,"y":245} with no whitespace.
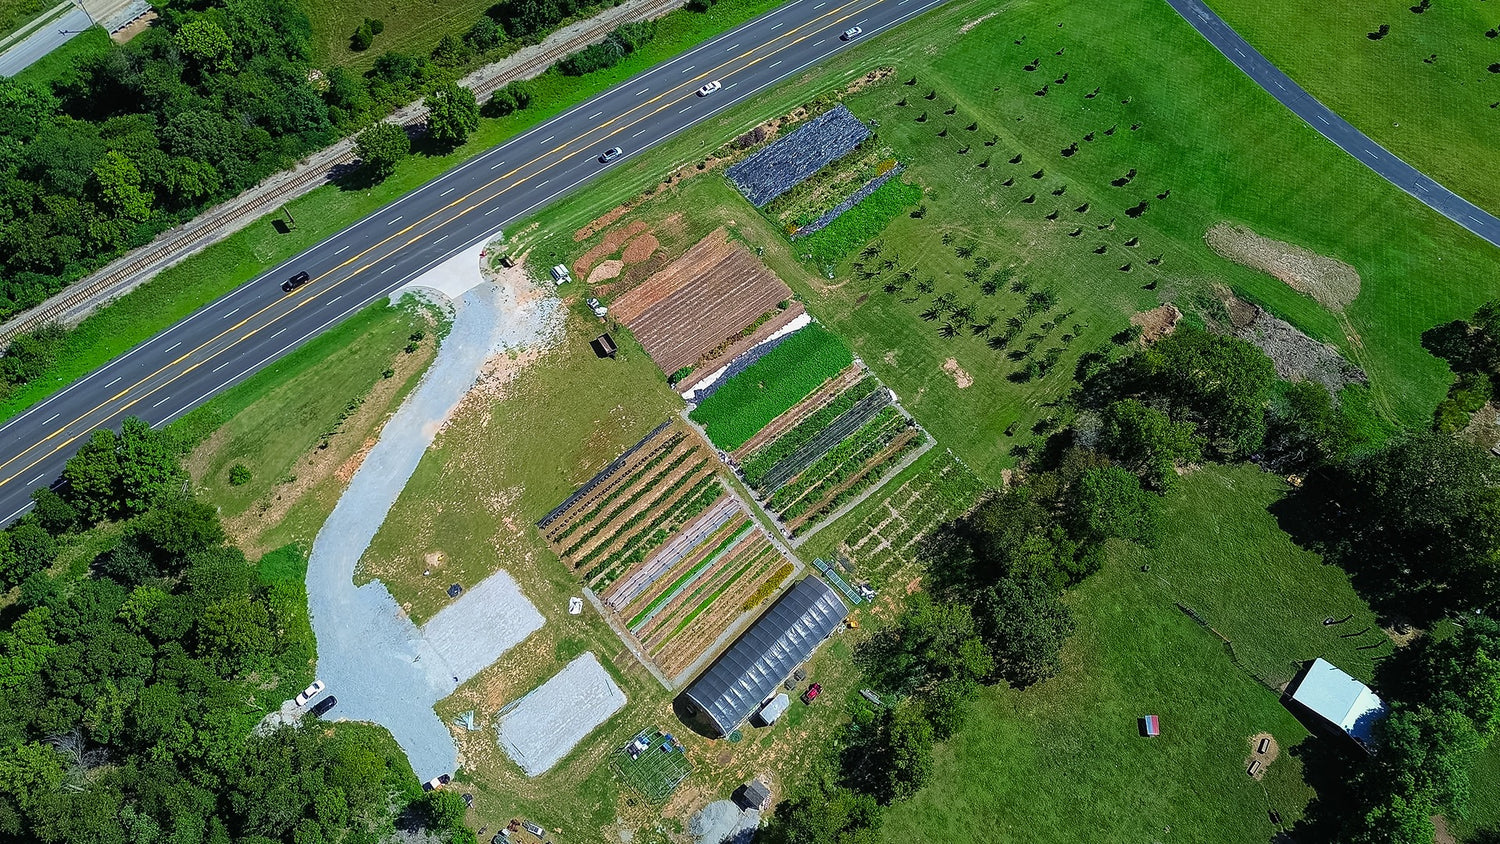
{"x":229,"y":339}
{"x":1390,"y":167}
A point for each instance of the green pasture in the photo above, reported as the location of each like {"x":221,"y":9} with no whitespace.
{"x":1424,"y":91}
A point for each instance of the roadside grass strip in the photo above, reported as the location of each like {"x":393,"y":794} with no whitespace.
{"x":860,"y":224}
{"x":810,"y":452}
{"x":687,"y":579}
{"x":792,"y":158}
{"x":757,"y":465}
{"x":776,"y":382}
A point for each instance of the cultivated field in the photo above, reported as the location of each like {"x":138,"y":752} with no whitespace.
{"x":697,"y":306}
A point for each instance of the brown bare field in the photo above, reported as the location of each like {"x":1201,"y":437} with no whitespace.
{"x":1329,"y":281}
{"x":606,"y":247}
{"x":801,"y":410}
{"x":728,"y":351}
{"x":640,"y":248}
{"x":710,"y":293}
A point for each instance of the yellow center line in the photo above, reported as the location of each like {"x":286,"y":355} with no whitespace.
{"x":309,"y":298}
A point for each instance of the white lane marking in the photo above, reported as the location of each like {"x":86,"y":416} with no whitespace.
{"x":222,"y":365}
{"x":336,"y":298}
{"x":231,"y":313}
{"x":820,"y":5}
{"x":52,"y":417}
{"x":497,"y":164}
{"x":595,"y":114}
{"x":37,"y":478}
{"x":111,"y":384}
{"x":492,"y":210}
{"x":342,"y":249}
{"x":277,"y":334}
{"x":638,"y":134}
{"x":548,"y":138}
{"x":775,"y":63}
{"x":731,"y":85}
{"x":542,"y":185}
{"x":778,"y":26}
{"x":733,"y":47}
{"x":448,"y":191}
{"x":386,"y":270}
{"x":162,"y":402}
{"x":642,"y":91}
{"x":688,"y":68}
{"x":441,"y":239}
{"x":394,"y":222}
{"x":171,"y":347}
{"x":687,"y":107}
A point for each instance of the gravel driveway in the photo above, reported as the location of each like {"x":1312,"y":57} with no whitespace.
{"x":381,"y":666}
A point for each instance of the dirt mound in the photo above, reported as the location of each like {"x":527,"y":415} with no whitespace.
{"x":1296,"y":356}
{"x":963,"y":379}
{"x":598,"y":225}
{"x":1157,"y":322}
{"x":605,"y":271}
{"x":606,"y":247}
{"x":1332,"y":283}
{"x":640,"y":248}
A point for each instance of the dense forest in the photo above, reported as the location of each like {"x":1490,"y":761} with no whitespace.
{"x":132,"y":680}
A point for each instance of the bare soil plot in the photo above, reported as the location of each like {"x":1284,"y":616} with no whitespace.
{"x":1332,"y":283}
{"x":609,"y":245}
{"x":1157,"y":322}
{"x":712,"y":292}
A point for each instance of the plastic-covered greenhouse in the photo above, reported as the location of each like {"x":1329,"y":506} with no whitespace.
{"x":747,"y":674}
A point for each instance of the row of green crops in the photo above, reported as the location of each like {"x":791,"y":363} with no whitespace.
{"x":631,"y":500}
{"x":860,"y":224}
{"x":766,"y":457}
{"x":731,"y":533}
{"x":698,"y":499}
{"x":767,"y":388}
{"x":871,"y":477}
{"x":840,"y":462}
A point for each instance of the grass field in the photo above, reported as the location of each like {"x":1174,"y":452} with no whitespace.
{"x":1439,"y":115}
{"x":411,"y":28}
{"x":297,"y":424}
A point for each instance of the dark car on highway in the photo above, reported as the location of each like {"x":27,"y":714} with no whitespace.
{"x":295,"y":281}
{"x":323,"y":706}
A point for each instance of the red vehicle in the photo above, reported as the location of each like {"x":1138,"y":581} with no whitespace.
{"x":812,"y":693}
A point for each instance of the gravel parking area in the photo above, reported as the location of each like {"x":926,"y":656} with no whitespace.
{"x":540,"y":728}
{"x":380,"y":666}
{"x":774,"y":170}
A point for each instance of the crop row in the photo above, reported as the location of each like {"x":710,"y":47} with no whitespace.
{"x":847,"y":423}
{"x":765,"y":390}
{"x":657,"y":455}
{"x":697,"y":499}
{"x":636,"y":499}
{"x":768,"y":588}
{"x":748,"y":549}
{"x":871,"y":476}
{"x":754,"y":560}
{"x":841,"y":460}
{"x":758,"y":464}
{"x":644,"y":581}
{"x":860,"y":224}
{"x":881,"y":542}
{"x":849,"y":202}
{"x":601,"y":477}
{"x":690,"y":575}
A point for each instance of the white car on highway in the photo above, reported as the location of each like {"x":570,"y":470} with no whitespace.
{"x":709,"y":88}
{"x":310,"y":692}
{"x":851,"y":33}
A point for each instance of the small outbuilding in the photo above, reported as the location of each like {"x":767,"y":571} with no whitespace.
{"x":746,"y":675}
{"x":560,"y":275}
{"x":753,"y":795}
{"x":773,"y":710}
{"x":1337,"y":702}
{"x":604,"y":346}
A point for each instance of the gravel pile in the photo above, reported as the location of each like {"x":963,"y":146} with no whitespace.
{"x":380,"y":666}
{"x":854,"y":199}
{"x":1298,"y":357}
{"x":786,"y":161}
{"x":723,"y":822}
{"x":540,"y":728}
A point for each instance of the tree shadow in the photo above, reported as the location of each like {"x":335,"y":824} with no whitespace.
{"x":1326,"y":765}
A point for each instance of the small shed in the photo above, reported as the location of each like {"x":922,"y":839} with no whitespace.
{"x":753,"y":795}
{"x":455,"y":590}
{"x":773,"y":709}
{"x":1338,"y":702}
{"x":560,"y":274}
{"x":604,"y":346}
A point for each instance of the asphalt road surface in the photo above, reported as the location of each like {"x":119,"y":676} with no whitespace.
{"x":228,"y":340}
{"x":1335,"y":128}
{"x":29,"y":50}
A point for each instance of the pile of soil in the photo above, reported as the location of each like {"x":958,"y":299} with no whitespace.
{"x":1332,"y":283}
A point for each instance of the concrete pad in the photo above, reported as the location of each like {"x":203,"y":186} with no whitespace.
{"x":455,"y":276}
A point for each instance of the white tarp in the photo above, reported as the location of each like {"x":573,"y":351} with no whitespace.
{"x":540,"y":728}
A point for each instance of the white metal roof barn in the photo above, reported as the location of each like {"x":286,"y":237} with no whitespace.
{"x":1342,"y":701}
{"x":748,"y":672}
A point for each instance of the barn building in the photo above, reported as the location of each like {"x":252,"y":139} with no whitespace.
{"x":1337,"y":702}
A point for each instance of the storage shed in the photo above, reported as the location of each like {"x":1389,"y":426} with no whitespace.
{"x":1338,"y":701}
{"x":773,"y":710}
{"x":753,"y":795}
{"x":604,"y":346}
{"x":748,"y":672}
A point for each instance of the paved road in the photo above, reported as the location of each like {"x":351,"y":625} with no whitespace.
{"x":49,"y":37}
{"x":1335,"y":128}
{"x":233,"y":337}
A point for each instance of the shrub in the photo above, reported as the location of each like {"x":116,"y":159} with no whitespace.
{"x":239,"y":475}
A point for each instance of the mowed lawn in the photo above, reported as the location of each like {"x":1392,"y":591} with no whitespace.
{"x":1064,"y":761}
{"x":1438,"y":114}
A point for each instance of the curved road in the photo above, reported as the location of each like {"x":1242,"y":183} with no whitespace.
{"x":1333,"y":127}
{"x":229,"y":339}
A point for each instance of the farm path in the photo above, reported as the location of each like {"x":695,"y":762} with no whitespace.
{"x":382,"y":667}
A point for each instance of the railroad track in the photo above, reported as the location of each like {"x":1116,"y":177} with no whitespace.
{"x":134,"y":268}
